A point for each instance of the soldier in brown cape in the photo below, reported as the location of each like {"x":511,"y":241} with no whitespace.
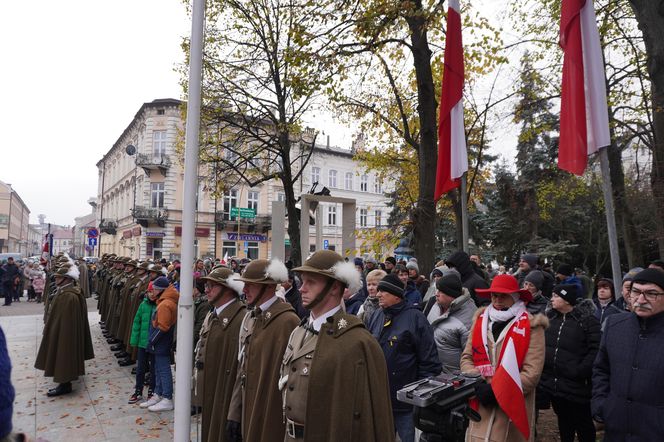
{"x":256,"y":404}
{"x":134,"y":299}
{"x":120,"y":287}
{"x":115,"y":286}
{"x":333,"y":376}
{"x":66,"y":342}
{"x":215,"y":366}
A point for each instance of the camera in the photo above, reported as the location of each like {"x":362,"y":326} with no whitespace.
{"x":440,"y":405}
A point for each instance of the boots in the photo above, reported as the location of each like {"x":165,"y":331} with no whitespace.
{"x":59,"y":390}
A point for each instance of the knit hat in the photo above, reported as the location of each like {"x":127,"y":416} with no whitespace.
{"x":413,"y":265}
{"x":450,"y":285}
{"x":531,"y":259}
{"x":358,"y":262}
{"x":652,"y":276}
{"x":629,"y":276}
{"x":391,"y":259}
{"x":536,"y":278}
{"x":392,"y":284}
{"x":565,"y":270}
{"x":567,"y":292}
{"x":161,"y":283}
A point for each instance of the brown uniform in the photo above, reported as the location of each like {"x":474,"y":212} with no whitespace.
{"x":335,"y":384}
{"x":216,"y":367}
{"x":256,"y":401}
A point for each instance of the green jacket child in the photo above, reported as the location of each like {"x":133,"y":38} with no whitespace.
{"x":140,"y":328}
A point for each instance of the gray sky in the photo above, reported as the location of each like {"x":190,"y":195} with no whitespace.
{"x":73,"y":75}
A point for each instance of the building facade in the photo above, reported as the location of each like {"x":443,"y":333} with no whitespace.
{"x":139,"y":201}
{"x":63,"y":240}
{"x":14,"y":219}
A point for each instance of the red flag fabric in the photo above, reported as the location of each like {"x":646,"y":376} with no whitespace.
{"x":452,"y":155}
{"x":584,"y":123}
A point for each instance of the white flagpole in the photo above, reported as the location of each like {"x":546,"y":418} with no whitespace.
{"x":464,"y":212}
{"x":185,"y":321}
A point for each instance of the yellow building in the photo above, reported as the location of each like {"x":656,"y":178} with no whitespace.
{"x":14,"y":217}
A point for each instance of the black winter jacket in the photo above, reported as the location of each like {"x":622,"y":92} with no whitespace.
{"x":469,"y":279}
{"x":407,"y":341}
{"x":572,"y":342}
{"x":628,"y":383}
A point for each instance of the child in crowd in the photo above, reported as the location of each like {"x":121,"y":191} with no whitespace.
{"x":160,"y":342}
{"x":139,"y":339}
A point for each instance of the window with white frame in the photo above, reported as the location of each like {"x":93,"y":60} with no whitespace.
{"x":378,"y":215}
{"x":229,"y":248}
{"x":229,"y":154}
{"x":159,"y":143}
{"x":364,"y":182}
{"x":332,"y":215}
{"x":252,"y":200}
{"x":230,"y":201}
{"x":157,"y":192}
{"x":252,"y":249}
{"x":315,"y":175}
{"x":363,"y":217}
{"x":281,"y":196}
{"x":348,"y":182}
{"x":378,"y":186}
{"x":332,"y":179}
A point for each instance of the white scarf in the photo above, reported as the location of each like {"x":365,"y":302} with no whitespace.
{"x":505,"y":315}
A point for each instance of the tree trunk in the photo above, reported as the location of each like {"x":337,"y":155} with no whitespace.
{"x":624,"y":219}
{"x":291,"y":211}
{"x":424,"y":215}
{"x":650,"y":17}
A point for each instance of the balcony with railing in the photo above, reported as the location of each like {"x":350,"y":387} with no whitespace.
{"x":150,"y":215}
{"x":109,"y":226}
{"x":150,"y":162}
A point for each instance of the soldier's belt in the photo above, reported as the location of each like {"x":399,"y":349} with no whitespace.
{"x":294,"y":430}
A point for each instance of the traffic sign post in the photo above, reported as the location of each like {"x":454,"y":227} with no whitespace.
{"x":92,"y":241}
{"x":326,"y":244}
{"x":93,"y":233}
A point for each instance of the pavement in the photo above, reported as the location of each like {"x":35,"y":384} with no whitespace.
{"x":96,"y":410}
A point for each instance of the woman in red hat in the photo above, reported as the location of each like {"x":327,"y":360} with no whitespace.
{"x":506,"y":348}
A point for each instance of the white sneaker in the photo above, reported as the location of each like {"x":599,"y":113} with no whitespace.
{"x":151,"y":401}
{"x":163,"y":405}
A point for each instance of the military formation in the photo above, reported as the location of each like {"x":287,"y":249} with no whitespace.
{"x":260,"y":372}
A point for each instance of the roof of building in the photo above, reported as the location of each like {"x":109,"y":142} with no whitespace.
{"x":157,"y":103}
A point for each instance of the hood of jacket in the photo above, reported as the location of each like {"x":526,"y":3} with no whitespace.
{"x":461,"y":261}
{"x":582,"y":310}
{"x":171,"y":294}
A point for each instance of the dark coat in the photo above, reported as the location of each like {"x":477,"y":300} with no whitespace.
{"x":347,"y":368}
{"x":469,"y":279}
{"x":62,"y":352}
{"x":201,"y":309}
{"x":406,"y":338}
{"x":220,"y":369}
{"x":354,"y":303}
{"x":602,"y":313}
{"x":572,"y":341}
{"x":256,"y":401}
{"x":538,"y":304}
{"x":412,"y":296}
{"x":628,"y":386}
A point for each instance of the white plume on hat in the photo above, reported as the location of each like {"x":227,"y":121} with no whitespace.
{"x":346,"y":272}
{"x":235,"y":284}
{"x":73,"y":273}
{"x":277,"y":271}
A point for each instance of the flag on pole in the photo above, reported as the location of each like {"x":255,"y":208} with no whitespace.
{"x":452,"y":155}
{"x":584,"y":117}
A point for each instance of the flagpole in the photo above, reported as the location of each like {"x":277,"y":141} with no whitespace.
{"x":610,"y":219}
{"x":464,"y":212}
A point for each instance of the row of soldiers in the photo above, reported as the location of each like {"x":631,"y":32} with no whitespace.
{"x":121,"y":283}
{"x":264,"y":375}
{"x":66,"y":342}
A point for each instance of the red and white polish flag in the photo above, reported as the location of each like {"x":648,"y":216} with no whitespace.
{"x":584,"y":118}
{"x":506,"y":386}
{"x":452,"y":154}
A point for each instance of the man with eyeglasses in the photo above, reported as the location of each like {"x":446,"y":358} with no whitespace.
{"x":628,"y":382}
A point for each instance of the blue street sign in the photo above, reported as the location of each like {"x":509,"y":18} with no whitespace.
{"x":92,"y":241}
{"x":326,"y":244}
{"x":93,"y":233}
